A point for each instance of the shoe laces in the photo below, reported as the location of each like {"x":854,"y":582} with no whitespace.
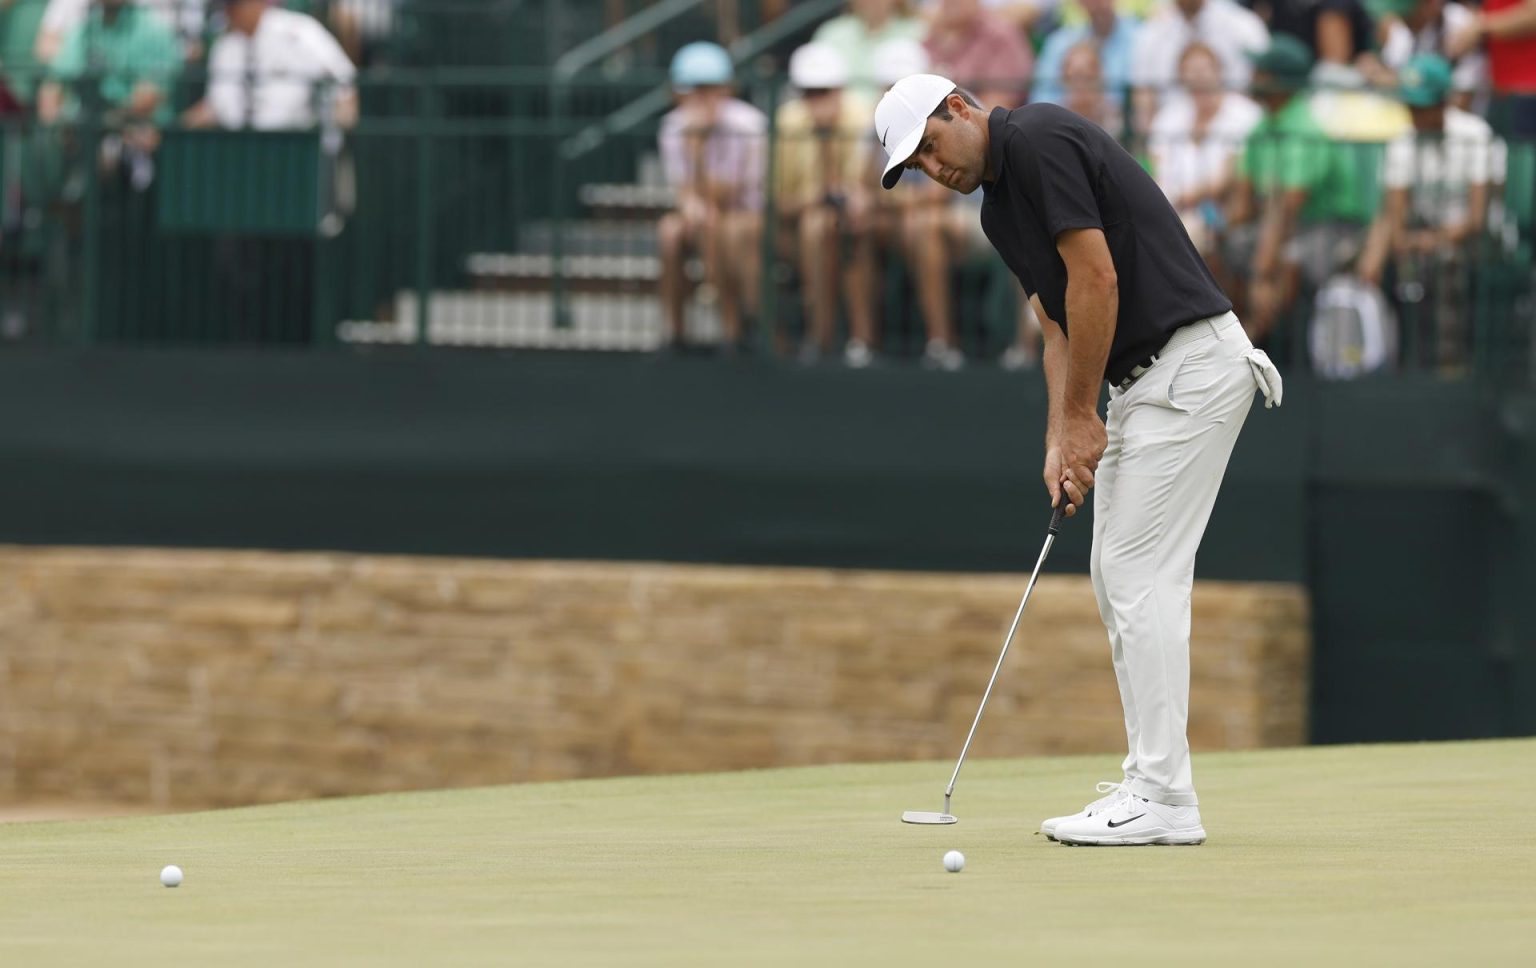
{"x":1115,"y":793}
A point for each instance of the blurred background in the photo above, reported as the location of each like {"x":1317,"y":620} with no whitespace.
{"x":407,"y":393}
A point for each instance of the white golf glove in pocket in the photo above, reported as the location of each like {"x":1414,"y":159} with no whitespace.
{"x":1266,"y":376}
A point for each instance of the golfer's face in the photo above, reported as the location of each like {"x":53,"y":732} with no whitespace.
{"x":950,"y":154}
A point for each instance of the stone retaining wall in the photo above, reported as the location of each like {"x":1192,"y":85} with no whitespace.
{"x":189,"y":678}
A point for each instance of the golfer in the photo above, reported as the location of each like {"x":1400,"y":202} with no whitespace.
{"x":1122,"y":296}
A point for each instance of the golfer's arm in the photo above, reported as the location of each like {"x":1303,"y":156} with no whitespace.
{"x":1053,"y":359}
{"x":1093,"y":305}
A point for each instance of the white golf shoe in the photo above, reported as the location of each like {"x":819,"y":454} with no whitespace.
{"x":1134,"y":821}
{"x":1115,"y":792}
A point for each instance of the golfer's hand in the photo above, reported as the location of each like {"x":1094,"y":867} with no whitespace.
{"x":1052,"y":472}
{"x":1082,"y":440}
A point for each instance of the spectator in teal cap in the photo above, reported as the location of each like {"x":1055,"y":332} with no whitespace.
{"x":713,"y":153}
{"x":1436,"y":180}
{"x":1299,"y":205}
{"x":1410,"y":27}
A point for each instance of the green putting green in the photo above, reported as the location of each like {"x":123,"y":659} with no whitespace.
{"x":1418,"y":854}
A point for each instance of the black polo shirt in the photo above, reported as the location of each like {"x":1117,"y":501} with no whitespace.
{"x":1056,"y":171}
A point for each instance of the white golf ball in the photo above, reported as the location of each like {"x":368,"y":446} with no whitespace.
{"x":171,"y":876}
{"x":954,"y":862}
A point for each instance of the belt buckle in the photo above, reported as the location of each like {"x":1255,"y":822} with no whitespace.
{"x":1138,"y":371}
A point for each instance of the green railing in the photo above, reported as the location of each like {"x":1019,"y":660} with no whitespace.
{"x":443,"y":218}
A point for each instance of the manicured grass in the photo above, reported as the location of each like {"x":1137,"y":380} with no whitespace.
{"x":1421,"y":854}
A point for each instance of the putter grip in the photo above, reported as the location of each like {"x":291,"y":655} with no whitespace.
{"x":1057,"y":515}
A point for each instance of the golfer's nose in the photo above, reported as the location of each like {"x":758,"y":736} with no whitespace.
{"x":930,"y":167}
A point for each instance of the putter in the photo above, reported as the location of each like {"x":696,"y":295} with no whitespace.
{"x":922,"y":816}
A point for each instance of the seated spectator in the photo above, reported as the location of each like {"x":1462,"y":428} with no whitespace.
{"x":1437,"y":179}
{"x":712,"y":152}
{"x":981,"y":51}
{"x":1338,"y":33}
{"x":1082,"y":75}
{"x":1114,"y":34}
{"x":906,"y":221}
{"x":1298,"y":204}
{"x":856,"y":35}
{"x":1410,"y":27}
{"x":1194,"y":143}
{"x":1235,"y":34}
{"x":821,"y":165}
{"x":272,"y":70}
{"x":119,"y":62}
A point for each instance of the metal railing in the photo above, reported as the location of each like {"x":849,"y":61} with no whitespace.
{"x":443,"y":222}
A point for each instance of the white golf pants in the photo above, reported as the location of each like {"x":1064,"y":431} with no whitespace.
{"x":1170,"y":435}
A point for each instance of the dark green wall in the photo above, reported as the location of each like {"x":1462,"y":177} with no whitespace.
{"x":1406,"y":505}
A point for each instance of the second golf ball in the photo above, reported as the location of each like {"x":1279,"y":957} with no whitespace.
{"x":954,"y":862}
{"x":171,"y":876}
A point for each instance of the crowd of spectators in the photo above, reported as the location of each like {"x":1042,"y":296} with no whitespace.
{"x":1301,"y":142}
{"x":138,"y":65}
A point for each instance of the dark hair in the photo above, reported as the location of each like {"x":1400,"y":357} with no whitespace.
{"x":942,"y":111}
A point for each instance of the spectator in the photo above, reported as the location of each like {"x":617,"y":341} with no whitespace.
{"x":712,"y":151}
{"x":1298,"y":201}
{"x":1083,"y":77}
{"x":1231,"y":31}
{"x":120,"y":62}
{"x":363,"y":26}
{"x":1437,"y":180}
{"x":185,"y":18}
{"x":1339,"y":33}
{"x":981,"y":51}
{"x":857,"y":34}
{"x":821,"y":164}
{"x":20,"y":21}
{"x":1411,"y":27}
{"x":1508,"y":29}
{"x":1114,"y":35}
{"x":904,"y":219}
{"x":1194,"y":143}
{"x":274,"y":69}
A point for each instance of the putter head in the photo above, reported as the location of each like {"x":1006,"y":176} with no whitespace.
{"x":921,"y":816}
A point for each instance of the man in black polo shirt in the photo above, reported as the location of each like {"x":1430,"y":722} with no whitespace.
{"x":1122,"y":296}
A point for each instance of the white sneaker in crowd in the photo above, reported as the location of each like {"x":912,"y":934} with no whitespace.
{"x":1132,"y":822}
{"x":940,"y":356}
{"x":1115,"y":793}
{"x":857,"y":354}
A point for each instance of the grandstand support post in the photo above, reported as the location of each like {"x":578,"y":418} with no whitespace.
{"x":768,"y":291}
{"x":426,"y":203}
{"x":559,"y":103}
{"x":90,"y":281}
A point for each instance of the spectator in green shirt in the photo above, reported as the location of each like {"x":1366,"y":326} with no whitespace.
{"x":1299,"y":201}
{"x":19,"y":23}
{"x":121,"y":61}
{"x":859,"y":32}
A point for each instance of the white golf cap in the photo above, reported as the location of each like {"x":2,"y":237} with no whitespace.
{"x":817,"y":66}
{"x":902,"y":115}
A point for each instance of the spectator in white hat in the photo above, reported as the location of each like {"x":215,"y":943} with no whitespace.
{"x":821,"y":165}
